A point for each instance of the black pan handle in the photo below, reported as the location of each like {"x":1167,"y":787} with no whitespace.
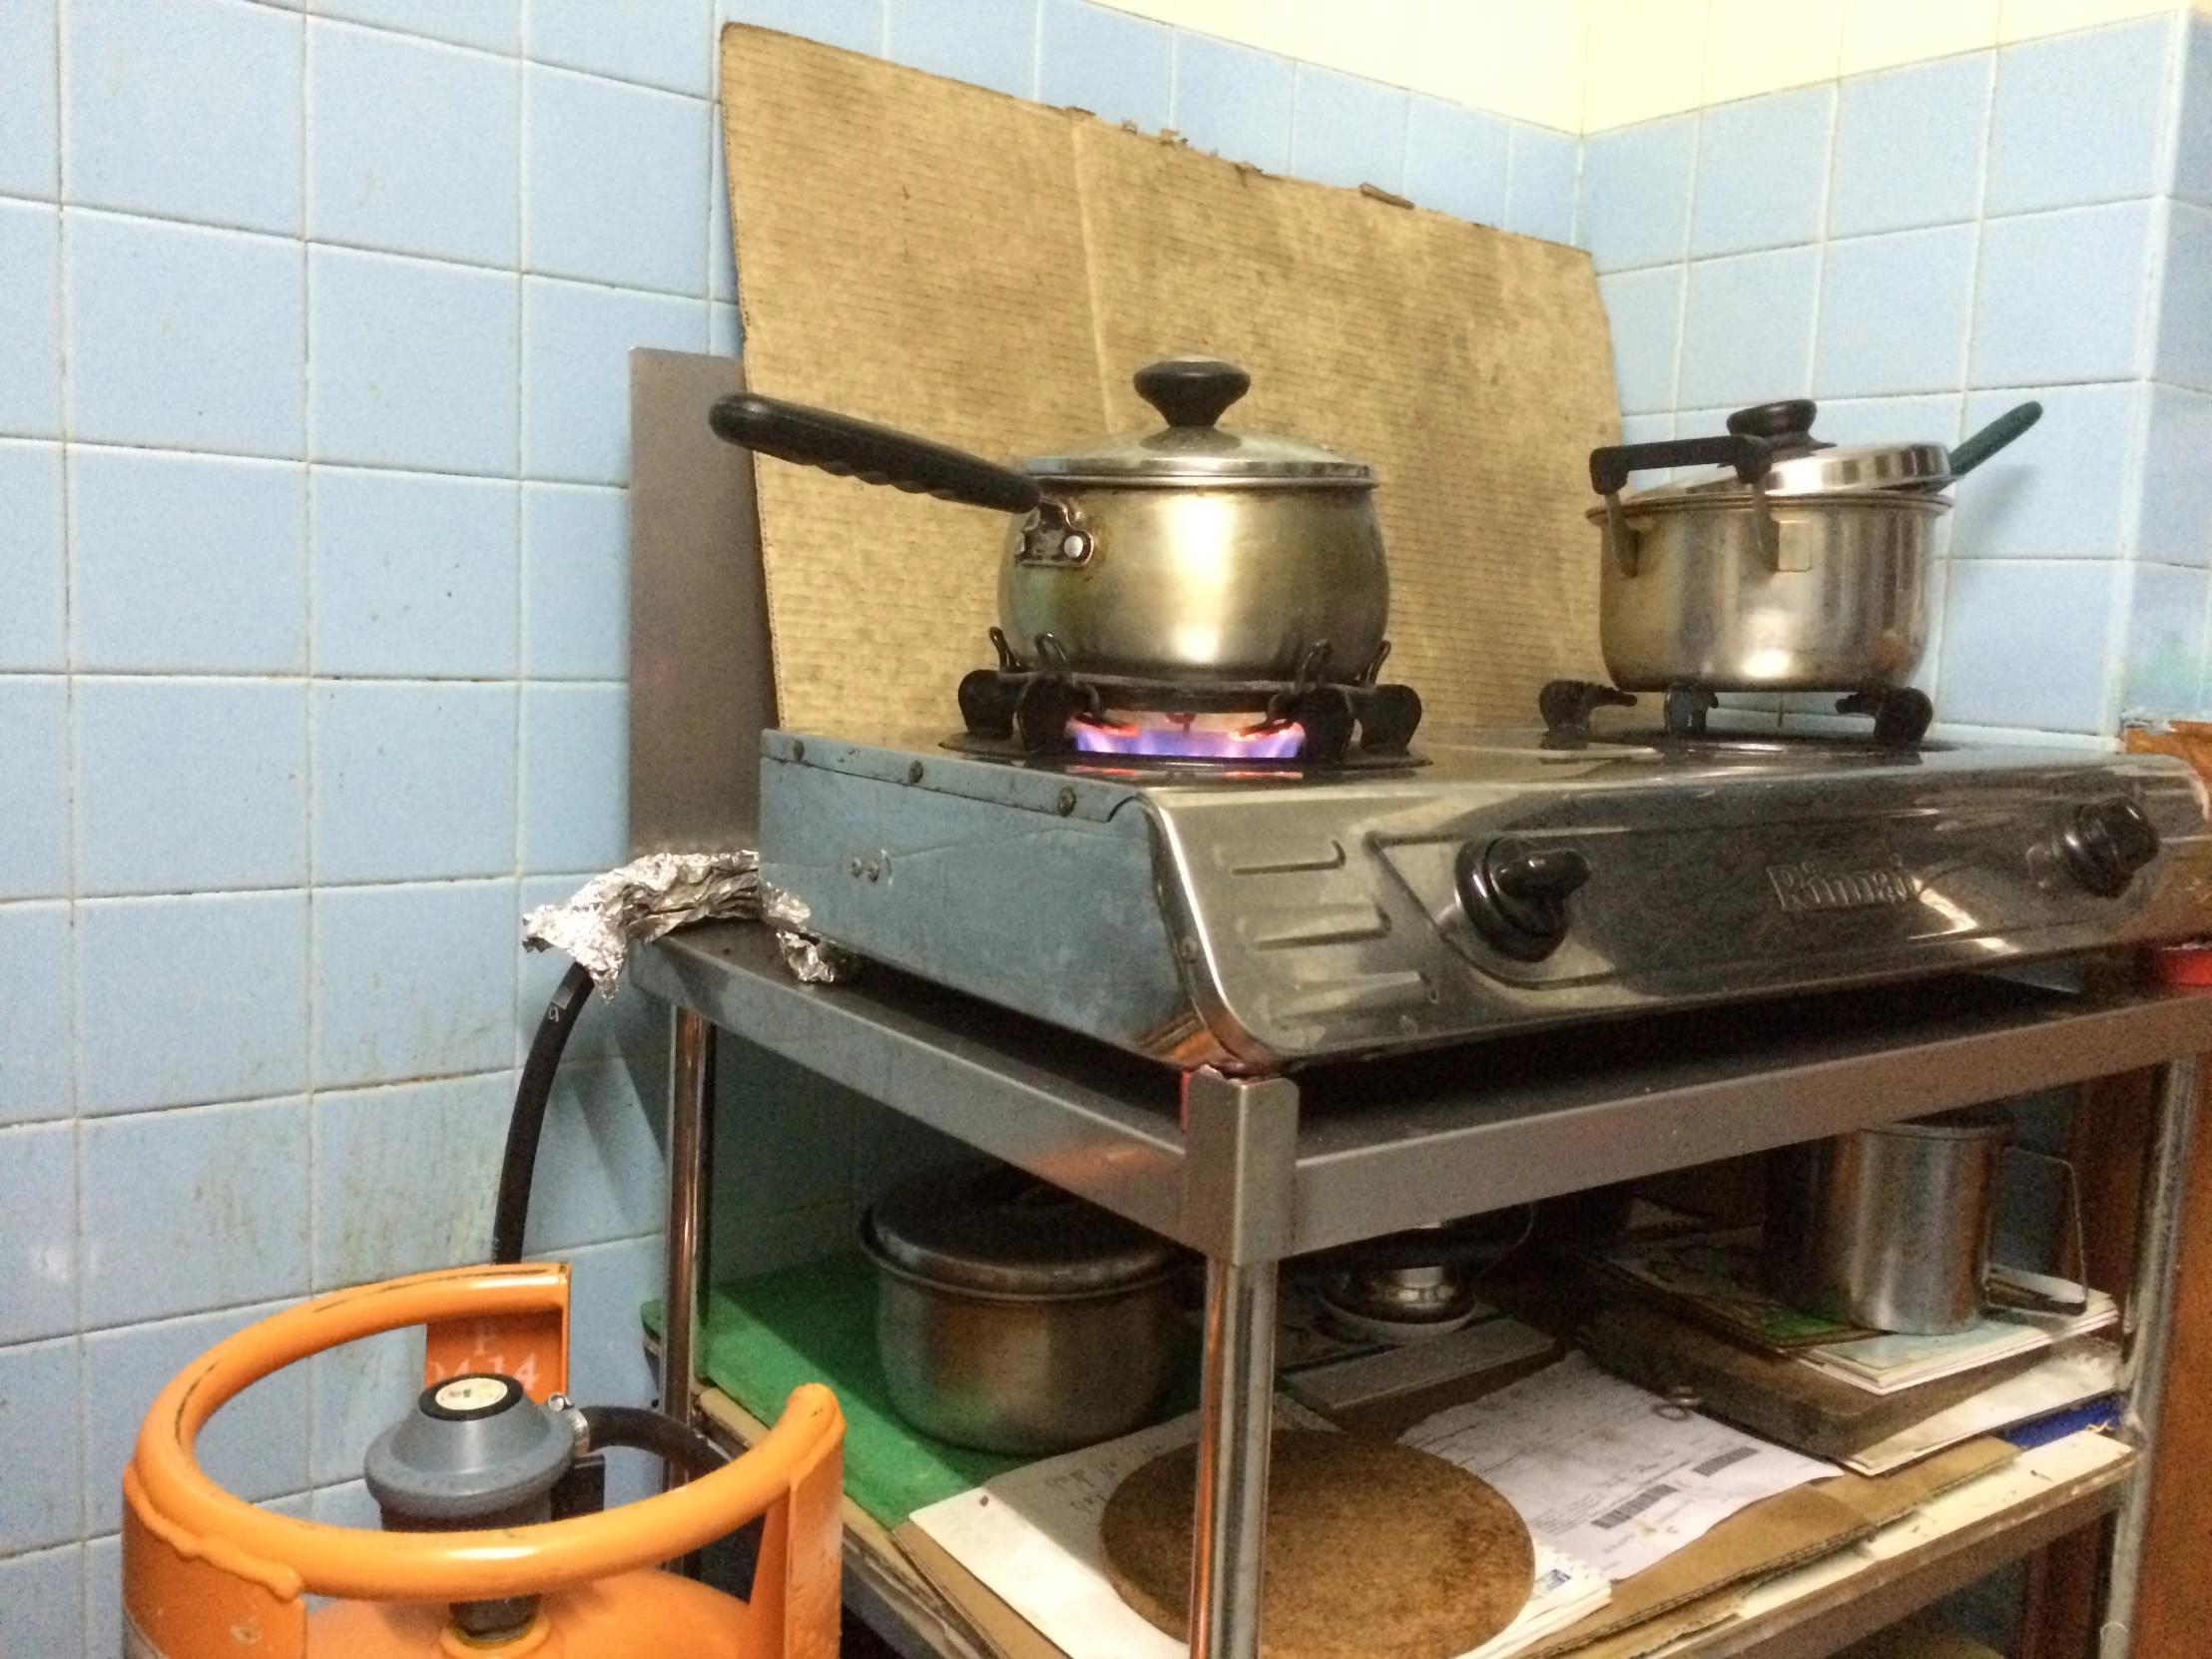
{"x":1748,"y":456}
{"x":1994,"y":437}
{"x":874,"y":454}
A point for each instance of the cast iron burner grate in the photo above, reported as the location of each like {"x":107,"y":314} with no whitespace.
{"x":1901,"y":714}
{"x":1342,"y":722}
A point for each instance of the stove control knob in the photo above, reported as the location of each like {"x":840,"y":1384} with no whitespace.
{"x":2105,"y":843}
{"x":1516,"y":895}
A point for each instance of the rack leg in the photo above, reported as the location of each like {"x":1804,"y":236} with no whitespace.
{"x":691,"y":1094}
{"x":2149,"y":1316}
{"x":1241,"y":1147}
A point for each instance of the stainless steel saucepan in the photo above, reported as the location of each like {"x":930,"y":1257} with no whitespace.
{"x":1189,"y":552}
{"x":1791,"y":565}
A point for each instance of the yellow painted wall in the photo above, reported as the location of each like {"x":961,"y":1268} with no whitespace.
{"x":1586,"y":64}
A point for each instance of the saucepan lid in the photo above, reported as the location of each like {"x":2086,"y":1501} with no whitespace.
{"x":1802,"y":465}
{"x":993,"y":1229}
{"x":1194,"y":449}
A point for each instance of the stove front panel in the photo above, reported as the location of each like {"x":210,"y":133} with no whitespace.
{"x":1336,"y":924}
{"x":1258,"y":926}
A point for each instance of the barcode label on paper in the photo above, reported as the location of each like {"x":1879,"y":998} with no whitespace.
{"x":1621,"y":1514}
{"x":1723,"y":1459}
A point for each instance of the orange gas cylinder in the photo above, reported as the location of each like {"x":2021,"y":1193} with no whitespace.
{"x":209,"y":1576}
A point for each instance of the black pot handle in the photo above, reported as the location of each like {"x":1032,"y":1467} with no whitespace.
{"x":1750,"y":456}
{"x":874,"y":454}
{"x":1994,"y":437}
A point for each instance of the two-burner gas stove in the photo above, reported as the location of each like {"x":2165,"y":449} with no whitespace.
{"x":1255,"y":913}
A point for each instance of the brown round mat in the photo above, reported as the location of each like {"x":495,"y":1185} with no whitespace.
{"x":1374,"y":1550}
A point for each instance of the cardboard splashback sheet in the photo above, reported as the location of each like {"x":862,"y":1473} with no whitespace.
{"x":989,"y":273}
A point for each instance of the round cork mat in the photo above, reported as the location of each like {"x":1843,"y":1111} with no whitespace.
{"x":1374,"y":1550}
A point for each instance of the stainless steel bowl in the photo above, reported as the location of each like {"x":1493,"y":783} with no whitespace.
{"x":1013,"y":1316}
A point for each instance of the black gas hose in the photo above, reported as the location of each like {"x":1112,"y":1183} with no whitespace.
{"x":511,"y":1214}
{"x":640,"y":1428}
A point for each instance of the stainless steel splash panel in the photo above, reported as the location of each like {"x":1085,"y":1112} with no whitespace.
{"x":1257,"y":925}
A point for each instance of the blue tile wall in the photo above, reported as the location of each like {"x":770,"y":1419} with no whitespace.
{"x":1116,"y":66}
{"x":1920,"y":249}
{"x":313,"y":440}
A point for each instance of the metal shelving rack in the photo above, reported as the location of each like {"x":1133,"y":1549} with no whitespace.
{"x":1250,"y":1171}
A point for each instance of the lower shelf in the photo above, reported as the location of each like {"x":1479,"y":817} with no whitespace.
{"x":1806,"y":1613}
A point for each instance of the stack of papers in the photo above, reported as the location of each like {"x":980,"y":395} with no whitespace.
{"x":1031,"y":1536}
{"x":1606,"y":1472}
{"x":1885,"y":1364}
{"x":2081,"y":1369}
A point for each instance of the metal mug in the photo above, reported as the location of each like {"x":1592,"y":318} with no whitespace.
{"x":1889,"y":1228}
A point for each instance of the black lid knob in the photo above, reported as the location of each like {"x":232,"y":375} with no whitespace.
{"x":1190,"y":391}
{"x":1778,"y":422}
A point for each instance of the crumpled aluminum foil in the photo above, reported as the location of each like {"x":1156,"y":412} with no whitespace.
{"x":663,"y":892}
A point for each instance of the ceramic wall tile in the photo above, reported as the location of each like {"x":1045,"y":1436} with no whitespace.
{"x":2008,"y":622}
{"x":30,"y":354}
{"x":189,"y":784}
{"x":2176,"y":523}
{"x":2193,"y":140}
{"x":198,"y":1208}
{"x":617,"y":179}
{"x":1456,"y":160}
{"x":600,"y":1171}
{"x":33,"y":621}
{"x":2078,"y":118}
{"x":1645,"y":310}
{"x":1120,"y":68}
{"x":1908,"y":147}
{"x":414,"y":146}
{"x":1894,"y":313}
{"x":37,"y":1018}
{"x":1761,"y":172}
{"x":992,"y":43}
{"x":2184,"y":348}
{"x":42,"y":1448}
{"x":575,"y":755}
{"x":665,"y":43}
{"x":186,"y":563}
{"x":406,"y":1176}
{"x":2061,"y":296}
{"x":1540,"y":180}
{"x":414,"y":362}
{"x":2165,"y":643}
{"x":38,"y":1230}
{"x":576,"y":372}
{"x":34,"y":759}
{"x":2028,"y":19}
{"x":415,"y":574}
{"x":1234,"y":101}
{"x":30,"y":120}
{"x":183,"y":338}
{"x":413,"y":981}
{"x":1752,"y":47}
{"x":1348,"y":130}
{"x":576,"y":582}
{"x":44,"y":1593}
{"x":413,"y":781}
{"x":493,"y":25}
{"x":1635,"y":201}
{"x":2059,"y":490}
{"x":188,"y":109}
{"x":235,"y":1029}
{"x":1747,"y":329}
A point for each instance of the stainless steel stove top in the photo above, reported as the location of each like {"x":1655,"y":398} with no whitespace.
{"x":1257,"y":918}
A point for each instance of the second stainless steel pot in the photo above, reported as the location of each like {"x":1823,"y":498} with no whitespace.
{"x":1792,"y":566}
{"x":1191,"y":552}
{"x":1013,"y":1316}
